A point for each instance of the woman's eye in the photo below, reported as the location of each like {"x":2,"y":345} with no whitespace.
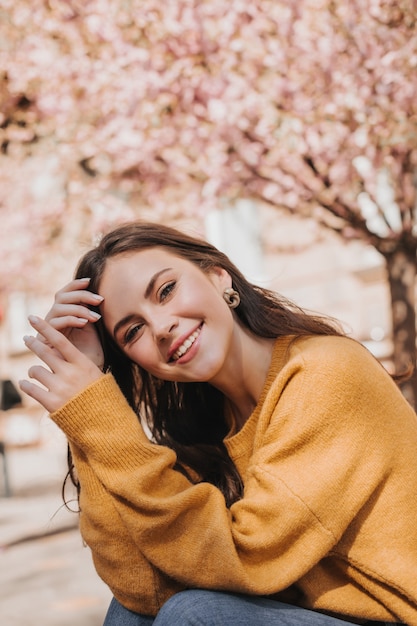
{"x":131,"y":333}
{"x":166,"y":290}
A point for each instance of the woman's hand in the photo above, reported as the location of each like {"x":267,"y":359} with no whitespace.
{"x":70,"y":371}
{"x":72,"y":317}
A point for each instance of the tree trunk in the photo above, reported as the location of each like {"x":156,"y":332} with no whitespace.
{"x":401,"y":267}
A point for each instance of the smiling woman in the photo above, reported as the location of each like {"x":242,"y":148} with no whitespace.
{"x":168,"y":316}
{"x":282,"y":456}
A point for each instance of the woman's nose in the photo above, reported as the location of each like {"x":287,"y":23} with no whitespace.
{"x":163,"y":326}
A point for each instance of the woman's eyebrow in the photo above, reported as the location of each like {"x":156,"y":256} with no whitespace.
{"x":122,"y":322}
{"x":153,"y":280}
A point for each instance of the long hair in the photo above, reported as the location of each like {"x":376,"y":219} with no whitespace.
{"x":189,"y":417}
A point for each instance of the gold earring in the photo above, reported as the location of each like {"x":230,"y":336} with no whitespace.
{"x":231,"y":297}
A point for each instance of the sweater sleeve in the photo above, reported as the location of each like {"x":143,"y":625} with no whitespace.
{"x":303,"y":486}
{"x":132,"y":579}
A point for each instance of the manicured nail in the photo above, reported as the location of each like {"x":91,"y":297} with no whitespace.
{"x":34,"y":319}
{"x":27,"y":338}
{"x":95,"y":315}
{"x":97,"y":297}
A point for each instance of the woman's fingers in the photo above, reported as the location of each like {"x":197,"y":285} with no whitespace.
{"x":76,"y":284}
{"x":43,"y":396}
{"x":52,"y":339}
{"x":76,"y":291}
{"x":68,"y":297}
{"x":41,"y":374}
{"x":70,"y":371}
{"x":72,"y":305}
{"x":71,"y":308}
{"x":71,"y":316}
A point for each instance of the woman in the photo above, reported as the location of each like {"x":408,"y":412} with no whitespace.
{"x":279,"y":482}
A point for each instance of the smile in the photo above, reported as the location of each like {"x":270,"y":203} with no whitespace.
{"x":186,"y":345}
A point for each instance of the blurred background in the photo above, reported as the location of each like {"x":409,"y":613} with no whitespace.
{"x":284,"y":131}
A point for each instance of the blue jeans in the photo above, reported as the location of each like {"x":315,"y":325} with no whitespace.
{"x":215,"y":608}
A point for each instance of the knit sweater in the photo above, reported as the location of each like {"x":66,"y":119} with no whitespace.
{"x":328,"y":520}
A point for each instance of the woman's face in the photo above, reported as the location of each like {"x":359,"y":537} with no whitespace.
{"x":167,"y":315}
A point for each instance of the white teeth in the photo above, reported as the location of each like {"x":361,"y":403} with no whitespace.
{"x":186,"y":345}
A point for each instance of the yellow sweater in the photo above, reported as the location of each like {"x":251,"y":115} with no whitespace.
{"x":329,"y":513}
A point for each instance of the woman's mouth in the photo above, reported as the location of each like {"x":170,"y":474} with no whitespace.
{"x":184,"y":347}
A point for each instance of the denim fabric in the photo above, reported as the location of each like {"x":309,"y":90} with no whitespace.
{"x":117,"y":615}
{"x":214,"y":608}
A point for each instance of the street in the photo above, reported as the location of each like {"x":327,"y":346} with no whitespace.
{"x":46,"y":576}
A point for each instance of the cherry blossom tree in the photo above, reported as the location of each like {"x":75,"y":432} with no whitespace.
{"x":109,"y":108}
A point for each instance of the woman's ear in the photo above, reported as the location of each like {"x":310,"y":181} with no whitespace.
{"x":221,"y":278}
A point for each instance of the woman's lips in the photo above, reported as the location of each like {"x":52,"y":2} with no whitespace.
{"x":186,"y":345}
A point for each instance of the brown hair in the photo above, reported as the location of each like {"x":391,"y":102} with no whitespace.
{"x":189,"y":417}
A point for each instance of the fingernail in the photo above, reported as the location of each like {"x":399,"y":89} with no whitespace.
{"x":95,"y":315}
{"x":97,"y":297}
{"x":26,"y":338}
{"x":33,"y":319}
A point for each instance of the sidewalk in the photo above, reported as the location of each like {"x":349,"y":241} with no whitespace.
{"x":46,"y":574}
